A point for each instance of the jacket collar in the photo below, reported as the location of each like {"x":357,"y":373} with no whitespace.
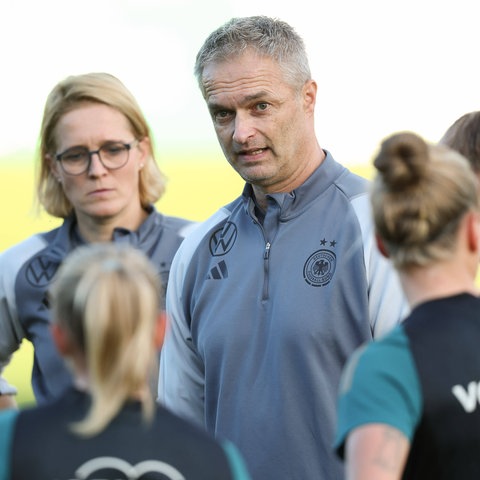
{"x":68,"y":237}
{"x":291,"y":202}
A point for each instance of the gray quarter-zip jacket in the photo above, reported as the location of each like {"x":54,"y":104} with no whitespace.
{"x":26,"y":271}
{"x":263,"y":316}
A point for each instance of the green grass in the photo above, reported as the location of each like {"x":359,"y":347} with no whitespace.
{"x":195,"y":190}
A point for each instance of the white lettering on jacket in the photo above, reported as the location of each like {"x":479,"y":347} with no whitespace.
{"x":468,"y":398}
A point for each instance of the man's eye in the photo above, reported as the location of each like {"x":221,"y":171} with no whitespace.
{"x":262,"y":106}
{"x":221,"y":115}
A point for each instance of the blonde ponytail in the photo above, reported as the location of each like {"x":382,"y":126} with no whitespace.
{"x":108,"y":298}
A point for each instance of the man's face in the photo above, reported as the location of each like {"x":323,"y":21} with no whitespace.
{"x":262,"y":122}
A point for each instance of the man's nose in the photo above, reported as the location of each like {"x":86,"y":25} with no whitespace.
{"x":243,"y":128}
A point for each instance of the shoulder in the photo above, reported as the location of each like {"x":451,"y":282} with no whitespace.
{"x":380,"y":385}
{"x":356,"y":190}
{"x":14,"y":258}
{"x":19,"y":253}
{"x":181,"y":226}
{"x":368,"y":359}
{"x":445,"y":311}
{"x":349,"y":183}
{"x":173,"y":224}
{"x":36,"y":423}
{"x":353,"y":187}
{"x":200,"y":231}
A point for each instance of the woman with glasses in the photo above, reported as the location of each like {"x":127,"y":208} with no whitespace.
{"x":96,"y":171}
{"x":409,"y":403}
{"x":108,"y":322}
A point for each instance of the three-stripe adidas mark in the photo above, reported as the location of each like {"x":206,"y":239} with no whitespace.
{"x":218,"y":272}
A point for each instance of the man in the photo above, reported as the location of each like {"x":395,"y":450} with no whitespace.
{"x":268,"y":297}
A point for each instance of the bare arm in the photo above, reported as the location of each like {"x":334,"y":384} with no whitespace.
{"x":376,"y":452}
{"x":7,"y":401}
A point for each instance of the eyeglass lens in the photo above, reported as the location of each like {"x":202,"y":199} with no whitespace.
{"x":77,"y":160}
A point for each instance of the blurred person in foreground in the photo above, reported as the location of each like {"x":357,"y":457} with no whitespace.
{"x":408,"y":405}
{"x":108,"y":323}
{"x":268,"y":297}
{"x":96,"y":170}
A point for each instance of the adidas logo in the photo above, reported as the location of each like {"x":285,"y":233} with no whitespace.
{"x":218,"y":272}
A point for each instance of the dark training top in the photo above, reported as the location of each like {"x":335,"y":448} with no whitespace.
{"x":37,"y":444}
{"x":423,"y":379}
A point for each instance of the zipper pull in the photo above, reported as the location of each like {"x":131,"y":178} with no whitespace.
{"x":267,"y":251}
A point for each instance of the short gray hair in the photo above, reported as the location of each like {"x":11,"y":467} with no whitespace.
{"x":270,"y":37}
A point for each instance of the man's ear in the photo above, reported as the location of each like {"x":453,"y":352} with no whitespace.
{"x":61,"y":339}
{"x":310,"y":95}
{"x":160,"y":327}
{"x":381,"y":246}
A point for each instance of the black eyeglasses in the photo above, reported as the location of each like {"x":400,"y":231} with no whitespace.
{"x":112,"y":155}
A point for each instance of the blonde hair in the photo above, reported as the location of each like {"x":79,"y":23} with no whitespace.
{"x":419,"y":196}
{"x":107,"y":298}
{"x":70,"y":94}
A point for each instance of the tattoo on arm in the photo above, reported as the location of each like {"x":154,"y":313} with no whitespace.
{"x":390,"y":454}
